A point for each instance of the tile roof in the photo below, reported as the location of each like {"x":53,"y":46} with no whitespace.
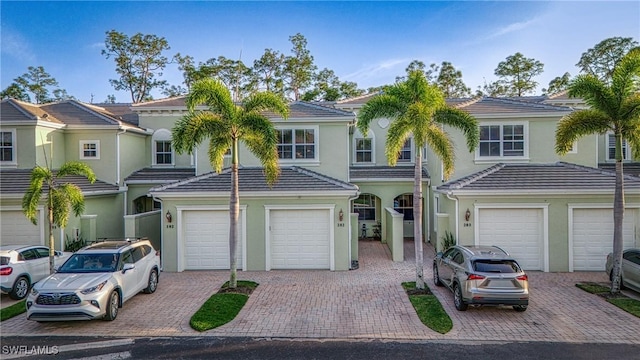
{"x":12,"y":110}
{"x":495,"y":106}
{"x":251,"y":179}
{"x":121,"y":111}
{"x":160,"y":175}
{"x":386,"y":173}
{"x":632,"y":168}
{"x":16,"y":182}
{"x":544,"y":178}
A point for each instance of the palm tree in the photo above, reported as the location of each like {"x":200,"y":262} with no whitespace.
{"x":61,"y":197}
{"x":615,"y":108}
{"x":418,"y":108}
{"x":225,"y":123}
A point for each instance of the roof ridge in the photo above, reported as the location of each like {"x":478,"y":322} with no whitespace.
{"x":477,"y":176}
{"x":319,"y":176}
{"x":83,"y":106}
{"x":529,"y":103}
{"x":596,"y":170}
{"x":358,"y":97}
{"x":189,"y":180}
{"x":158,"y":100}
{"x":318,"y":106}
{"x":471,"y":101}
{"x":18,"y":105}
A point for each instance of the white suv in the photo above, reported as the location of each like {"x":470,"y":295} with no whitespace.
{"x":95,"y":282}
{"x":23,"y":265}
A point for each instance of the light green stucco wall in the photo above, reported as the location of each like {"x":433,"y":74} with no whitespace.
{"x":49,"y":147}
{"x":105,"y":166}
{"x":134,"y":154}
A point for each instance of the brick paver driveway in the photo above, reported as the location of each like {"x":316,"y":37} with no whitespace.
{"x":367,"y":303}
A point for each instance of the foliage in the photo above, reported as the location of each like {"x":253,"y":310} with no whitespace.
{"x":13,"y":310}
{"x":614,"y":108}
{"x":14,"y":91}
{"x":138,"y":61}
{"x":269,"y":70}
{"x":221,"y":308}
{"x":418,"y":109}
{"x":558,"y":84}
{"x":328,"y":87}
{"x":448,"y":240}
{"x":37,"y":82}
{"x":445,"y":77}
{"x":225,"y":123}
{"x":600,"y":60}
{"x":516,"y":74}
{"x":73,"y":245}
{"x":429,"y":310}
{"x":299,"y":67}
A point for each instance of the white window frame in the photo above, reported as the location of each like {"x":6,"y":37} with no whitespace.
{"x":161,"y":135}
{"x":83,"y":156}
{"x":316,"y":144}
{"x":372,"y":206}
{"x":357,"y":151}
{"x":626,"y":150}
{"x":14,"y":148}
{"x":411,"y":151}
{"x":501,"y":157}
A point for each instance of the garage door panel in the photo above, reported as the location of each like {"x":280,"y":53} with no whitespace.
{"x":593,"y":236}
{"x":206,"y":240}
{"x":300,"y":239}
{"x":16,"y":229}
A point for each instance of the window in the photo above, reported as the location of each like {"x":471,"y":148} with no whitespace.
{"x":296,"y":144}
{"x":89,"y":149}
{"x":611,"y":148}
{"x":502,"y":141}
{"x":364,"y":151}
{"x":404,"y":205}
{"x":7,"y":146}
{"x":405,"y":153}
{"x":163,"y":152}
{"x":365,"y":206}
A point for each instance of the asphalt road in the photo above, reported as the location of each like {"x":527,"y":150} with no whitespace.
{"x":247,"y":348}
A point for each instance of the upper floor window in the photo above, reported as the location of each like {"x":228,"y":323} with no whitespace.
{"x":405,"y":152}
{"x":89,"y":149}
{"x":611,"y":148}
{"x":297,"y":144}
{"x":162,"y":150}
{"x":364,"y":150}
{"x":502,"y":140}
{"x":8,"y":146}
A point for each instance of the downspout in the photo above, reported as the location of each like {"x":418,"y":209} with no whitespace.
{"x":357,"y":195}
{"x":118,"y":171}
{"x":454,"y":199}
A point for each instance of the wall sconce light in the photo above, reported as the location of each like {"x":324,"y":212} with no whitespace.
{"x":168,"y":216}
{"x":467,"y":215}
{"x":340,"y":215}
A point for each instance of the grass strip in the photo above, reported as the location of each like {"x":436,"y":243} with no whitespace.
{"x":428,"y":308}
{"x":222,"y":307}
{"x":632,"y":306}
{"x":13,"y":310}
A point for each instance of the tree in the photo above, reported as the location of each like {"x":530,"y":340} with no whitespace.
{"x":269,"y":69}
{"x":517,"y":73}
{"x":449,"y":81}
{"x":61,"y":197}
{"x":173,"y":91}
{"x":600,"y":60}
{"x":225,"y":124}
{"x":418,"y":108}
{"x":36,"y":81}
{"x":111,"y":99}
{"x":558,"y":84}
{"x":138,"y":60}
{"x":14,"y":91}
{"x":61,"y":95}
{"x":494,"y":89}
{"x":614,"y":107}
{"x":417,"y":65}
{"x":299,"y":67}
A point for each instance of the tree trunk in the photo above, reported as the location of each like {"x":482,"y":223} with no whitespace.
{"x":417,"y":219}
{"x":618,"y":216}
{"x":234,"y":214}
{"x":52,"y":251}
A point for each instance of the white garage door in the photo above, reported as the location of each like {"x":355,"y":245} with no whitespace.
{"x":518,"y":231}
{"x":593,"y":236}
{"x":16,"y":229}
{"x":206,"y":240}
{"x":300,"y":239}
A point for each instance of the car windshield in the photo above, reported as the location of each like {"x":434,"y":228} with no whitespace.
{"x":496,"y":266}
{"x":4,"y":260}
{"x":90,"y":263}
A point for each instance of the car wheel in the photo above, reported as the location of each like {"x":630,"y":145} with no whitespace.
{"x":457,"y":298}
{"x":112,"y":306}
{"x":153,"y":282}
{"x":436,"y":275}
{"x":20,"y":288}
{"x":520,"y":308}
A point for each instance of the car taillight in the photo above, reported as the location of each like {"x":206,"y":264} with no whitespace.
{"x":6,"y":271}
{"x":523,"y":277}
{"x":475,"y":277}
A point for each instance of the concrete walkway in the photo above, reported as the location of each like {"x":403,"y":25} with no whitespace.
{"x":367,"y":303}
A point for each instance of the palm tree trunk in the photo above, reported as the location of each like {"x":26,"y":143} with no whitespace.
{"x":417,"y":219}
{"x":52,"y":251}
{"x":234,"y":213}
{"x":618,"y":216}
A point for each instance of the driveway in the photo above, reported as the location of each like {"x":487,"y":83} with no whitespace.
{"x":367,"y":303}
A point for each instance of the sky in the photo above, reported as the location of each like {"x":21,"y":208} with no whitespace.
{"x":367,"y":42}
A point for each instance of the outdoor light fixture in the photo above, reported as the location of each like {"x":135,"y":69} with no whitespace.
{"x":168,"y":216}
{"x":340,"y":215}
{"x":467,"y":215}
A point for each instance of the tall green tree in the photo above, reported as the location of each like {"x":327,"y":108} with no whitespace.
{"x":449,"y":81}
{"x":558,"y":84}
{"x":14,"y":91}
{"x":600,"y":60}
{"x":139,"y":61}
{"x":299,"y":67}
{"x":35,"y":81}
{"x":61,"y":197}
{"x":615,"y":108}
{"x":517,"y":72}
{"x":418,"y":108}
{"x":226,"y":124}
{"x":269,"y":69}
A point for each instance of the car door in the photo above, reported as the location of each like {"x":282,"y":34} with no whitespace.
{"x":445,"y":269}
{"x":128,"y":280}
{"x":631,"y":269}
{"x":138,"y":258}
{"x":32,"y":264}
{"x":41,"y":264}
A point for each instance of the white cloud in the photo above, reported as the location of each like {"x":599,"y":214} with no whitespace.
{"x":15,"y":45}
{"x":383,"y":69}
{"x":98,"y":45}
{"x":517,"y":26}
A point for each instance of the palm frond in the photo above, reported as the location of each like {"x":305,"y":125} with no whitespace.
{"x":259,"y":136}
{"x":380,"y":106}
{"x":266,"y":101}
{"x":461,"y":120}
{"x":578,"y":124}
{"x":626,"y":75}
{"x":76,"y":168}
{"x":399,"y":131}
{"x":219,"y":145}
{"x":212,"y":94}
{"x":31,"y":199}
{"x":196,"y":126}
{"x":440,"y":142}
{"x":594,"y":92}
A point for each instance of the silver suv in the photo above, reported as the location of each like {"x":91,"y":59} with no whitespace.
{"x":481,"y":275}
{"x":95,"y":282}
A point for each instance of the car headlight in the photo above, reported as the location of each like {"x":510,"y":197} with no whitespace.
{"x":94,"y":288}
{"x":34,"y":292}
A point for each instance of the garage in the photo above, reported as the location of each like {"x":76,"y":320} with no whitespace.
{"x":206,"y":240}
{"x":16,"y":229}
{"x":518,"y":231}
{"x":300,"y":239}
{"x":592,"y":231}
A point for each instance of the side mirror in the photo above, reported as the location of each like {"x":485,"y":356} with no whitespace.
{"x":127,"y":267}
{"x":58,"y":253}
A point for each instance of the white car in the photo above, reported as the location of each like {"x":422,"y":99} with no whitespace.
{"x":95,"y":282}
{"x":23,"y":265}
{"x":630,"y":269}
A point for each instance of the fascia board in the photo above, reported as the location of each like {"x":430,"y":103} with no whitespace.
{"x":253,"y":194}
{"x":316,"y":120}
{"x":386,"y":180}
{"x":520,"y":116}
{"x":557,"y":192}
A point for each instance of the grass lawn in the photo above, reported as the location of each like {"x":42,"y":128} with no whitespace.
{"x":222,"y":306}
{"x":632,"y":306}
{"x":428,"y":308}
{"x":13,"y":310}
